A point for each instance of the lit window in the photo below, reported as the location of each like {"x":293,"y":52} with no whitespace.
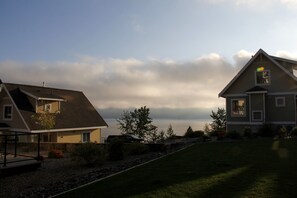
{"x":257,"y":116}
{"x":238,"y":107}
{"x":47,"y":107}
{"x":280,"y":101}
{"x":263,"y":77}
{"x":7,"y":112}
{"x":86,"y":137}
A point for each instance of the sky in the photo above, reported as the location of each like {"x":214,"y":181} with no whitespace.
{"x":173,"y":56}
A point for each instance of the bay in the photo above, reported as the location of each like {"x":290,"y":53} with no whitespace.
{"x":179,"y":126}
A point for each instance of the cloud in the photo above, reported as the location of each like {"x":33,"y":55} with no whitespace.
{"x":125,"y":83}
{"x":291,"y":4}
{"x":288,"y":55}
{"x":241,"y":58}
{"x":256,"y":4}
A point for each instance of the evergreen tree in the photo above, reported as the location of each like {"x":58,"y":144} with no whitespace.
{"x":219,"y":120}
{"x":170,"y":132}
{"x":189,"y":132}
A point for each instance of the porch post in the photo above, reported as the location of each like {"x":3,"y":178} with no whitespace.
{"x":38,"y":147}
{"x":15,"y":145}
{"x":5,"y":150}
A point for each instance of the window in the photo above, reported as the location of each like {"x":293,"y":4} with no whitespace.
{"x":263,"y":77}
{"x":280,"y":101}
{"x":47,"y":107}
{"x":7,"y":112}
{"x":257,"y":116}
{"x":238,"y":107}
{"x":86,"y":137}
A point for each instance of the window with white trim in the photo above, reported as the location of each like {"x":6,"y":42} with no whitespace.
{"x":257,"y":116}
{"x":7,"y":112}
{"x":263,"y":77}
{"x":238,"y":107}
{"x":47,"y":107}
{"x":86,"y":137}
{"x":280,"y":101}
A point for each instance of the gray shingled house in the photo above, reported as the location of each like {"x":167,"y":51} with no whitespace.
{"x":264,"y":91}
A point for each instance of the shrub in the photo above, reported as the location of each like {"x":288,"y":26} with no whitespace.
{"x":136,"y":149}
{"x":282,"y":131}
{"x":55,"y":154}
{"x":157,"y":147}
{"x":221,"y":134}
{"x":294,"y":132}
{"x":266,"y":131}
{"x":116,"y":150}
{"x":90,"y":153}
{"x":194,"y":134}
{"x":233,"y":135}
{"x":247,"y":132}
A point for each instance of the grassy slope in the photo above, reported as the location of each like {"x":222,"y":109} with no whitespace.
{"x":256,"y":168}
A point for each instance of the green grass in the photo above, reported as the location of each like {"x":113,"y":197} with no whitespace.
{"x":255,"y":168}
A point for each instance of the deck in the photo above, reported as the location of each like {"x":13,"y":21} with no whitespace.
{"x":15,"y":165}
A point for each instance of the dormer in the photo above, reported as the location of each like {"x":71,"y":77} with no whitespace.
{"x":44,"y":101}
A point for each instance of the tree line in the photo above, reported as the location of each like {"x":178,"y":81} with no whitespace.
{"x":139,"y":123}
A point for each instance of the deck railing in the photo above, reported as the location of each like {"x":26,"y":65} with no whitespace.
{"x":10,"y":149}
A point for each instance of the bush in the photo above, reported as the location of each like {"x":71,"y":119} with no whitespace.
{"x":282,"y":131}
{"x":55,"y":154}
{"x":136,"y":149}
{"x":157,"y":147}
{"x":196,"y":134}
{"x":233,"y":135}
{"x":294,"y":132}
{"x":116,"y":150}
{"x":266,"y":131}
{"x":247,"y":132}
{"x":90,"y":153}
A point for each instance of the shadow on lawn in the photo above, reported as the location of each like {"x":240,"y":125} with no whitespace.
{"x":258,"y":168}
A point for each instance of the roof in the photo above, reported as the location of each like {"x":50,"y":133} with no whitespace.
{"x":282,"y":63}
{"x":41,"y":94}
{"x":76,"y":110}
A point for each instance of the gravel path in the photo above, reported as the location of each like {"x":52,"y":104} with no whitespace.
{"x":58,"y":175}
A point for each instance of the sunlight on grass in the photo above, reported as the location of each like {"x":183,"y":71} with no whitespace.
{"x":262,"y":187}
{"x":254,"y":168}
{"x":194,"y":187}
{"x":281,"y":152}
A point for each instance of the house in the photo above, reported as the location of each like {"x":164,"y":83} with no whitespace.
{"x":75,"y":118}
{"x":264,"y":91}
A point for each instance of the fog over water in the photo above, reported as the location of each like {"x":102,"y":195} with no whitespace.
{"x":179,"y":126}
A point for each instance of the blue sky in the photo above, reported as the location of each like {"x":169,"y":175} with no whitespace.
{"x":175,"y":54}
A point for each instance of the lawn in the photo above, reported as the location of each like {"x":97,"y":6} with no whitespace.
{"x":252,"y":168}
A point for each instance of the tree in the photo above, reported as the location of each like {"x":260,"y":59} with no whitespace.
{"x":137,"y":122}
{"x":219,"y":120}
{"x":45,"y":119}
{"x":206,"y":128}
{"x":154,"y":136}
{"x":125,"y":123}
{"x":189,"y":132}
{"x":170,"y":133}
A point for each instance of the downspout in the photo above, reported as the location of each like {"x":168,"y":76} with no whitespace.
{"x":264,"y":109}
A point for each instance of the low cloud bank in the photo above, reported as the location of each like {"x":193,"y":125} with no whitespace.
{"x":163,"y":85}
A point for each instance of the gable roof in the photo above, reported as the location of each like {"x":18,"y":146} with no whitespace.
{"x":276,"y":60}
{"x":76,"y":111}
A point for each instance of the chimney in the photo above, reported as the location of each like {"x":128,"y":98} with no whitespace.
{"x":43,"y":84}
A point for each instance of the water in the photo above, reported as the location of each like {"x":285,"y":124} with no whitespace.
{"x":179,"y":126}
